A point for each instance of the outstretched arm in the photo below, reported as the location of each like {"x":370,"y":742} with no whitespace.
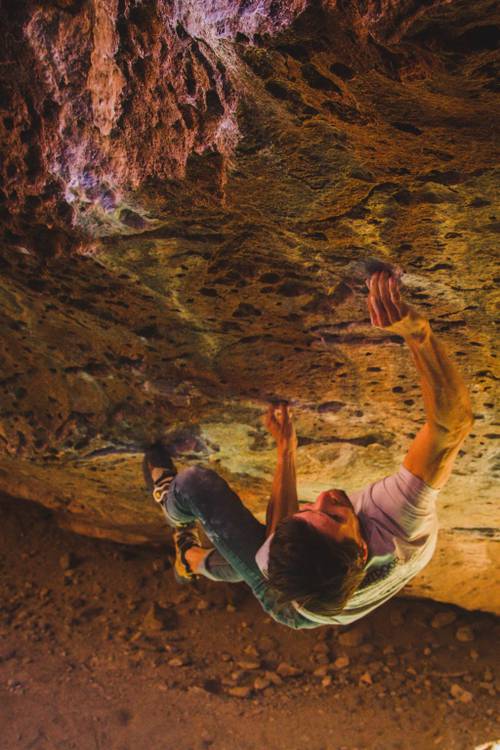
{"x":446,"y":399}
{"x":283,"y":502}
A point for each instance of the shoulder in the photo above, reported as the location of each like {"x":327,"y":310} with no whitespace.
{"x":399,"y":507}
{"x":388,"y":495}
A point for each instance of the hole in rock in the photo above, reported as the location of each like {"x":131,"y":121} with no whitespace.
{"x":478,"y":39}
{"x":342,"y":71}
{"x":181,"y":31}
{"x":407,"y":127}
{"x":278,"y":90}
{"x":297,"y":51}
{"x":317,"y":80}
{"x":213,"y":103}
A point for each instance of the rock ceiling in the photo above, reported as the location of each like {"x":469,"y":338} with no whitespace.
{"x":190,"y":194}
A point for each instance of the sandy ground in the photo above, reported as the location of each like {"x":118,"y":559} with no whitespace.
{"x":101,"y":650}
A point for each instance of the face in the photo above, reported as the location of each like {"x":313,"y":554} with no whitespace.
{"x":333,"y":515}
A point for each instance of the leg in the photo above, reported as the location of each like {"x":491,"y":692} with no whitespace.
{"x":199,"y":494}
{"x":217,"y":568}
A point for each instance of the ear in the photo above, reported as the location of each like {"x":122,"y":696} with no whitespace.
{"x":364,"y":547}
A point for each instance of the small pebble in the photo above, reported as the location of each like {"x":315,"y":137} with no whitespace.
{"x":250,"y":665}
{"x":352,"y":637}
{"x":260,"y":683}
{"x":274,"y":678}
{"x":67,"y":561}
{"x":240,"y":692}
{"x":460,"y":694}
{"x":321,"y":671}
{"x":177,"y":661}
{"x":464,"y":634}
{"x":341,"y":662}
{"x":442,"y":619}
{"x":286,"y":670}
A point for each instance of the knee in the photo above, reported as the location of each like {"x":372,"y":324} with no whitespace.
{"x":196,"y":478}
{"x":199,"y":488}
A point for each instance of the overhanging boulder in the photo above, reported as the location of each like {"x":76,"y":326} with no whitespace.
{"x":190,"y":194}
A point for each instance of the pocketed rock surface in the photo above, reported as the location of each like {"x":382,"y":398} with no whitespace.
{"x":99,"y":648}
{"x":190,"y":193}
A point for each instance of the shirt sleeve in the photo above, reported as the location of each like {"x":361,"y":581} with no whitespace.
{"x":284,"y":614}
{"x":401,"y":506}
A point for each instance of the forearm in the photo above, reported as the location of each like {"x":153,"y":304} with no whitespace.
{"x":284,"y":500}
{"x":446,"y":398}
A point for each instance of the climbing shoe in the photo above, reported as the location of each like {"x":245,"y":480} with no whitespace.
{"x":184,"y":537}
{"x":157,"y":457}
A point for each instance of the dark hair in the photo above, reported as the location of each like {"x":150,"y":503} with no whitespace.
{"x":312,"y":569}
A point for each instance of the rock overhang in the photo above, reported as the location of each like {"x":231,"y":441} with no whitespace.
{"x":196,"y":248}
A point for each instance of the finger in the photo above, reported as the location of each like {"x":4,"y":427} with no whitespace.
{"x":394,"y":288}
{"x":381,"y":283}
{"x":390,"y":308}
{"x":373,"y":319}
{"x":381,"y":316}
{"x":373,"y":282}
{"x":373,"y":313}
{"x":285,"y":414}
{"x":377,"y":306}
{"x":377,"y":280}
{"x":270,"y":417}
{"x":384,"y":297}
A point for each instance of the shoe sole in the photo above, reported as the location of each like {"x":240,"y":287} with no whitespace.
{"x":162,"y":459}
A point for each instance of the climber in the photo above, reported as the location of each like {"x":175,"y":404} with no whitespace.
{"x":334,"y":560}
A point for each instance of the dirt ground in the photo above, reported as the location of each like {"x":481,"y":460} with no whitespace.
{"x":101,"y":650}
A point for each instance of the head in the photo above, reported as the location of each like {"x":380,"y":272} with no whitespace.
{"x":317,"y":556}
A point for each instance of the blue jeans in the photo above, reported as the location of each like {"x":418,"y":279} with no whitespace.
{"x":199,"y":494}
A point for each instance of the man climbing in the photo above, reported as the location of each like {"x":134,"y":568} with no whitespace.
{"x":337,"y":559}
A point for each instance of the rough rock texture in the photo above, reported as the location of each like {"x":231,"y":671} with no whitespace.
{"x":189,"y":193}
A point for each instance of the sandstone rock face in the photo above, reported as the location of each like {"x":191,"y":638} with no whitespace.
{"x":190,"y":194}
